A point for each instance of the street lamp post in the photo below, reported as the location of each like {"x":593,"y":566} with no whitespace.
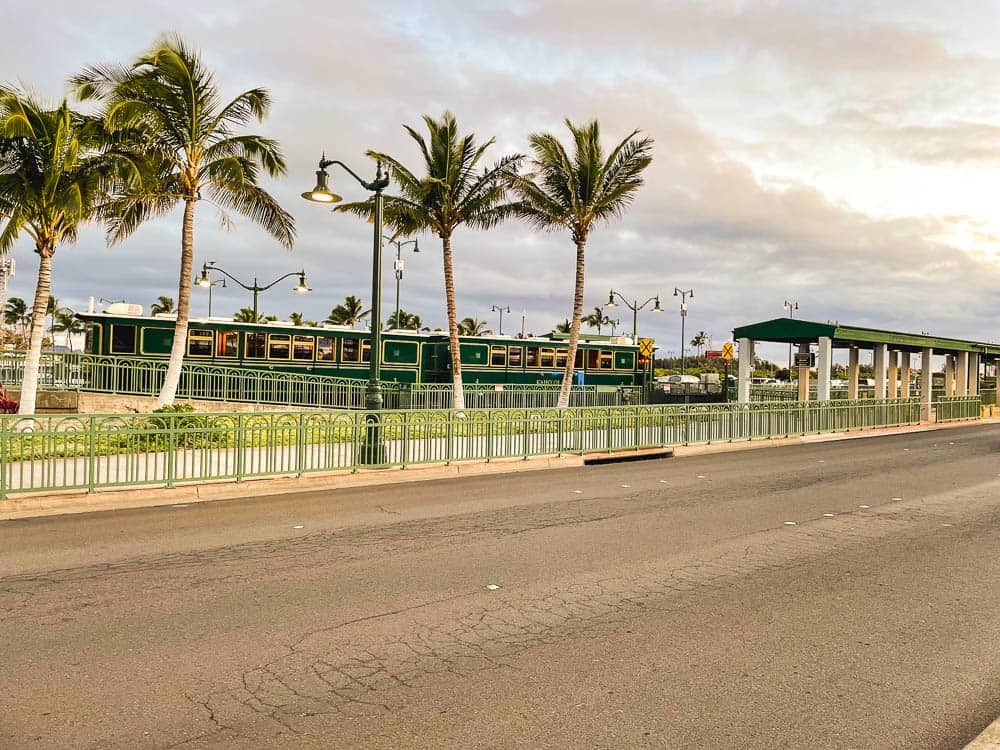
{"x":501,"y":309}
{"x":524,"y":316}
{"x":683,"y":294}
{"x":212,"y":283}
{"x":204,"y":281}
{"x":373,"y":451}
{"x":614,"y":324}
{"x":791,"y":307}
{"x":398,"y":265}
{"x":635,"y":307}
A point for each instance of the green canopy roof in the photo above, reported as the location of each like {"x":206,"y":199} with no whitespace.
{"x":793,"y":331}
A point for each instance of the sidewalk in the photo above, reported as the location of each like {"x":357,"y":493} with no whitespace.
{"x":988,"y":740}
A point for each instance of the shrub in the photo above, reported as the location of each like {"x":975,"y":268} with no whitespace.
{"x":7,"y":405}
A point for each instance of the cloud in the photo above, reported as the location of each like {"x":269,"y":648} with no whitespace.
{"x":778,"y":128}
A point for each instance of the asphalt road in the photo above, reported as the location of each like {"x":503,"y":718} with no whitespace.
{"x":657,"y":604}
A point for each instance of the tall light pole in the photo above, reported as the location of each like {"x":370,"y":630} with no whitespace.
{"x":210,"y":286}
{"x":791,"y":307}
{"x":373,"y":451}
{"x":635,"y":307}
{"x":398,"y":265}
{"x":501,"y":309}
{"x":204,"y":281}
{"x":683,"y":294}
{"x":524,"y":316}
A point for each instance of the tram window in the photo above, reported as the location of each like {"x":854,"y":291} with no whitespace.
{"x":561,"y":356}
{"x":578,"y":360}
{"x":366,"y":351}
{"x":200,"y":342}
{"x":593,"y":359}
{"x":607,"y":360}
{"x":302,"y":348}
{"x":228,"y":343}
{"x":349,"y":350}
{"x":122,"y":339}
{"x":278,"y":346}
{"x":531,"y":356}
{"x":498,"y":355}
{"x":92,"y":345}
{"x":256,"y":345}
{"x":324,"y":349}
{"x":513,"y":356}
{"x":548,"y":357}
{"x":625,"y":361}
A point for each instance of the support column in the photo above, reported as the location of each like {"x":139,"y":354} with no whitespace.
{"x":949,"y":375}
{"x":745,"y":372}
{"x":962,"y":374}
{"x":803,"y":376}
{"x":904,"y":376}
{"x":824,"y":363}
{"x":878,"y":364}
{"x":893,"y":385}
{"x":973,"y":385}
{"x":925,"y":384}
{"x":853,"y":370}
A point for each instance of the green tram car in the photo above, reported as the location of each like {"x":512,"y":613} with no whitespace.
{"x":340,"y":351}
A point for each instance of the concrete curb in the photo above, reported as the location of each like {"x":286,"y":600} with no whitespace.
{"x":988,"y":740}
{"x":77,"y":501}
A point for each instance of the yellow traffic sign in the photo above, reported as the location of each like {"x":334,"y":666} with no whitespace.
{"x":727,"y":351}
{"x":646,"y":347}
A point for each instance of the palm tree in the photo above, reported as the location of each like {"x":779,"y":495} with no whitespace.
{"x":405,"y":321}
{"x":245,"y":315}
{"x":564,"y":327}
{"x":67,"y":322}
{"x":53,"y":179}
{"x":597,"y":319}
{"x":170,"y":107}
{"x":700,"y":339}
{"x":162,"y":305}
{"x":349,"y":313}
{"x":451,"y":193}
{"x":296,"y":319}
{"x":16,"y":313}
{"x":576,"y":193}
{"x":473,"y":327}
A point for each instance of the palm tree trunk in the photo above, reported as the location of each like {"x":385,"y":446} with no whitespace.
{"x":453,"y":345}
{"x":173,"y":376}
{"x":574,"y":328}
{"x":32,"y":361}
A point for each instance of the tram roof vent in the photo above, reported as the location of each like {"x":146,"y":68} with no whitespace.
{"x":124,"y":308}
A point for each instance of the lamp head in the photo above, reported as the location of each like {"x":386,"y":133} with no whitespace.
{"x":203,"y":280}
{"x":611,"y":299}
{"x":321,"y":193}
{"x":302,"y":287}
{"x":416,"y":245}
{"x":656,"y":307}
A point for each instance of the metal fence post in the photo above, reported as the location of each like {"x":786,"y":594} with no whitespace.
{"x":171,"y":450}
{"x":301,"y":447}
{"x":91,"y":454}
{"x":4,"y":422}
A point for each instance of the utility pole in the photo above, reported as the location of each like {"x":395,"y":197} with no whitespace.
{"x":791,"y":307}
{"x":683,"y":294}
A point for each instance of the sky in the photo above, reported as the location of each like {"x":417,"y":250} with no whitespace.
{"x":842,"y":155}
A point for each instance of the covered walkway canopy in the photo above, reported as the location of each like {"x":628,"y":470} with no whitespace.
{"x":892,"y":352}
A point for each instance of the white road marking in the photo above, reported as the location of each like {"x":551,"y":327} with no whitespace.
{"x":626,"y":485}
{"x":828,"y":515}
{"x":298,"y":527}
{"x":864,"y":506}
{"x":492,"y":586}
{"x":578,"y":492}
{"x":790,"y":523}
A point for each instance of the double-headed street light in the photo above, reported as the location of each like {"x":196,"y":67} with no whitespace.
{"x":373,"y":451}
{"x":683,"y":294}
{"x":635,"y":307}
{"x":204,"y":281}
{"x":398,"y":265}
{"x":501,"y":309}
{"x":791,"y":308}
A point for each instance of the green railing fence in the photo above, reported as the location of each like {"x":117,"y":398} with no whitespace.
{"x":89,"y":452}
{"x":134,"y":376}
{"x":954,"y":408}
